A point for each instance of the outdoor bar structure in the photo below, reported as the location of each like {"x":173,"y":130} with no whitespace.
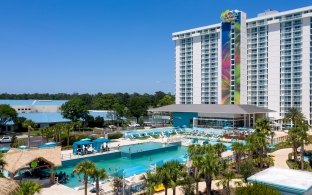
{"x":212,"y":115}
{"x":35,"y":161}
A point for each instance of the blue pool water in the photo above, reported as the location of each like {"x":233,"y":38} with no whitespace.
{"x":113,"y":165}
{"x":142,"y":147}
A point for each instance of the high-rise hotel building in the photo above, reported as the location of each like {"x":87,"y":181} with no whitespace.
{"x":263,"y":61}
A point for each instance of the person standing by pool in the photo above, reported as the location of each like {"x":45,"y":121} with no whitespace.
{"x":129,"y":149}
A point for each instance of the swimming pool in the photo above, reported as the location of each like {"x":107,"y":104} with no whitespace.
{"x":113,"y":163}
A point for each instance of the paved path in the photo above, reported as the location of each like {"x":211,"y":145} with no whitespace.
{"x":280,"y":157}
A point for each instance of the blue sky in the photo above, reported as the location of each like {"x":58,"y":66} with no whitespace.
{"x":52,"y":46}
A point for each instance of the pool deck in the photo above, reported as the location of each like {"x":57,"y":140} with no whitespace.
{"x":58,"y":189}
{"x":68,"y":154}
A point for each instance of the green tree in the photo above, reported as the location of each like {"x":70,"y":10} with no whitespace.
{"x":220,"y":148}
{"x":169,"y":174}
{"x":188,"y":185}
{"x":117,"y":185}
{"x":137,"y":105}
{"x":228,"y":175}
{"x":303,"y":127}
{"x":30,"y":125}
{"x":67,"y":128}
{"x":2,"y":164}
{"x":28,"y":188}
{"x":294,"y":116}
{"x":151,"y":180}
{"x":239,"y":150}
{"x":7,"y":113}
{"x":257,"y":189}
{"x":209,"y":167}
{"x":86,"y":168}
{"x":74,"y":110}
{"x":141,"y":121}
{"x":263,"y":126}
{"x":176,"y":171}
{"x":97,"y":175}
{"x":47,"y":133}
{"x":166,"y":100}
{"x":196,"y":154}
{"x":247,"y":169}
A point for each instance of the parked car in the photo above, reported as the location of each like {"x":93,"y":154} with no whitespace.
{"x":134,"y":125}
{"x":6,"y":139}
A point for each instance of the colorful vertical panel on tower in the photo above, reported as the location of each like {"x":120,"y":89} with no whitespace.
{"x":226,"y":62}
{"x":237,"y":30}
{"x":229,"y":17}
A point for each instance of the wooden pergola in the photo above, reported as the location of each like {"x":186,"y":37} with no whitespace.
{"x":21,"y":159}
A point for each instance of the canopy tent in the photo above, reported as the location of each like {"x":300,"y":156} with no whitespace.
{"x":48,"y":145}
{"x":98,"y":143}
{"x":79,"y":144}
{"x":132,"y":171}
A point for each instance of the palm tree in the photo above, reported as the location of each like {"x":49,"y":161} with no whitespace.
{"x":2,"y":164}
{"x":209,"y":166}
{"x":228,"y":175}
{"x":117,"y":185}
{"x":29,"y":124}
{"x":294,"y":140}
{"x":303,"y":127}
{"x":28,"y":188}
{"x":67,"y":127}
{"x":196,"y":163}
{"x":293,"y":115}
{"x":239,"y":150}
{"x":97,"y":175}
{"x":219,"y":147}
{"x":164,"y":177}
{"x":86,"y":168}
{"x":296,"y":117}
{"x":150,"y":179}
{"x":175,"y":170}
{"x":263,"y":126}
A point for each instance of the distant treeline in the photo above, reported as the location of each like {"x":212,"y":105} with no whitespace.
{"x":124,"y":103}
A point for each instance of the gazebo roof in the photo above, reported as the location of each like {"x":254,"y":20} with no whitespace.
{"x":8,"y":186}
{"x":18,"y":159}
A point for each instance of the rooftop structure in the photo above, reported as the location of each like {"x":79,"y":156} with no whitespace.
{"x":18,"y":159}
{"x":212,"y":108}
{"x":8,"y":186}
{"x":213,"y":115}
{"x":287,"y":181}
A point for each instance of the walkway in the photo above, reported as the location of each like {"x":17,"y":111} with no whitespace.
{"x":280,"y":157}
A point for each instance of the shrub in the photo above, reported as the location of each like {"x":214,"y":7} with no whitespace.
{"x":257,"y":189}
{"x":296,"y":165}
{"x":115,"y":135}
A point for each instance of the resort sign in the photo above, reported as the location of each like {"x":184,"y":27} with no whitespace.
{"x":229,"y":16}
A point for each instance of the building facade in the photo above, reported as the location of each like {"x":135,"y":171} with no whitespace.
{"x":263,"y":61}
